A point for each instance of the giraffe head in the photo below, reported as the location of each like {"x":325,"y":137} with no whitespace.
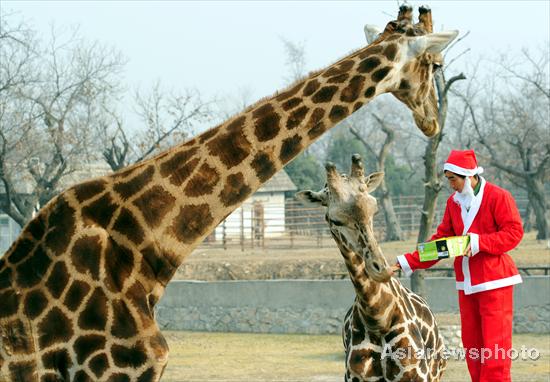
{"x":411,"y":53}
{"x":350,"y":212}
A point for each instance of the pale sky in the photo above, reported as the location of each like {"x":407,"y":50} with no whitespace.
{"x":221,"y":47}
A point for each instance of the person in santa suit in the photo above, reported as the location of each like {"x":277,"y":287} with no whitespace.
{"x":485,"y":275}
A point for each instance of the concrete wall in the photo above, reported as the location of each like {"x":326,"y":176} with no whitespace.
{"x":314,"y":306}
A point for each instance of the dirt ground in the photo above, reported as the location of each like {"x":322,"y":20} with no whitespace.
{"x":198,"y":356}
{"x":315,"y":263}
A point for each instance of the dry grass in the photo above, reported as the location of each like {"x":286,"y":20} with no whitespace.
{"x":530,"y":251}
{"x":208,"y":263}
{"x":267,"y":357}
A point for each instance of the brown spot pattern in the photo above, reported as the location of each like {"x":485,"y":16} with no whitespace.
{"x":94,"y":316}
{"x":380,"y":74}
{"x":351,"y":92}
{"x":58,"y":280}
{"x":289,"y":93}
{"x":338,"y":79}
{"x":235,"y":190}
{"x":98,"y":364}
{"x":370,"y":91}
{"x":127,"y":225}
{"x":55,"y":327}
{"x":390,"y":51}
{"x":192,"y":222}
{"x":290,"y":148}
{"x":76,"y":294}
{"x":203,"y":182}
{"x":178,"y":168}
{"x":368,"y":64}
{"x":21,"y":249}
{"x":9,"y":302}
{"x":88,"y":190}
{"x":31,"y":271}
{"x":154,"y":204}
{"x":129,"y":356}
{"x":315,"y":125}
{"x":85,"y":255}
{"x":371,"y":50}
{"x":35,"y":303}
{"x":86,"y":345}
{"x":129,"y":188}
{"x":292,"y":103}
{"x":123,"y":324}
{"x":311,"y":87}
{"x":58,"y":360}
{"x":232,"y":147}
{"x":266,"y":125}
{"x":337,"y":113}
{"x":61,"y":226}
{"x":119,"y":262}
{"x":100,"y":212}
{"x":325,"y":94}
{"x":263,"y":166}
{"x":296,"y":117}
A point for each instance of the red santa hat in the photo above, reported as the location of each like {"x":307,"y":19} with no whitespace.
{"x":462,"y":162}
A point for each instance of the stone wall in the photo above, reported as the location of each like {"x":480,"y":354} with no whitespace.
{"x":317,"y":306}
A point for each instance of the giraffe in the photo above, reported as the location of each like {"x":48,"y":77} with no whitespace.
{"x":387,"y":325}
{"x":79,"y":285}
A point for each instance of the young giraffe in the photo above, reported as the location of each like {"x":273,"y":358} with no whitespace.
{"x":386,"y":318}
{"x":78,"y":287}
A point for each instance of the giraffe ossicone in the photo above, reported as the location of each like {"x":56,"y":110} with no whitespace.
{"x":389,"y":332}
{"x":79,"y":285}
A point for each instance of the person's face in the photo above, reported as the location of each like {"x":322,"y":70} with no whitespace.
{"x":455,"y":182}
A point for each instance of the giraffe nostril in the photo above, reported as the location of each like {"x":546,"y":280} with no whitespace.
{"x":376,"y":266}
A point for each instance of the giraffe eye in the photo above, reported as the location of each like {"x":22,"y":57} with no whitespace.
{"x":336,"y":223}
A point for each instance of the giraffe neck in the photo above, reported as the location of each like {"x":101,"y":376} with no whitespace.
{"x":375,"y":300}
{"x":216,"y":171}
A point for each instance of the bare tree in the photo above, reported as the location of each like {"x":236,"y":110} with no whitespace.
{"x":393,"y":228}
{"x":167,"y":119}
{"x":511,"y":126}
{"x":44,"y":126}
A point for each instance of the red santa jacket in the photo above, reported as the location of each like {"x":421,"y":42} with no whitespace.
{"x":494,"y":225}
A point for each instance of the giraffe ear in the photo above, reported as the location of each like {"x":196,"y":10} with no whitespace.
{"x":431,"y":43}
{"x":373,"y":181}
{"x":312,"y":197}
{"x":371,"y":33}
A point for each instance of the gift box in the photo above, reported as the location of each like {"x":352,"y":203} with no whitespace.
{"x":443,"y":248}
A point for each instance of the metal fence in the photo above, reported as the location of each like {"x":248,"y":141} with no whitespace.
{"x":292,"y":225}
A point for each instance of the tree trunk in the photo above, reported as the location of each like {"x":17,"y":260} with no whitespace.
{"x":432,"y":186}
{"x":535,"y":192}
{"x":528,"y":217}
{"x":393,"y":229}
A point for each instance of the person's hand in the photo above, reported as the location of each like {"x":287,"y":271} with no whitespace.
{"x":394,"y":268}
{"x":468,"y":251}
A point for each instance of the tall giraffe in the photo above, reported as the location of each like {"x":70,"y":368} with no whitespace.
{"x":388,"y":326}
{"x":78,"y":287}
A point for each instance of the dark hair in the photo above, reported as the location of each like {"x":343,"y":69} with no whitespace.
{"x":464,"y":176}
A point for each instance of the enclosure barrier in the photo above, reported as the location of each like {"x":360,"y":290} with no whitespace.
{"x":314,"y":306}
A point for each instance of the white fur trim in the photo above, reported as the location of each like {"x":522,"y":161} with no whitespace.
{"x":474,"y":243}
{"x":468,"y":288}
{"x":468,"y":216}
{"x":462,"y":171}
{"x":405,"y":267}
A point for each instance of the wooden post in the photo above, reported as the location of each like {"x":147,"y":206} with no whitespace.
{"x":224,"y":235}
{"x":242,"y":229}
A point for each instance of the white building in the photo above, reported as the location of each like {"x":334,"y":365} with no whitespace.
{"x":261,"y":216}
